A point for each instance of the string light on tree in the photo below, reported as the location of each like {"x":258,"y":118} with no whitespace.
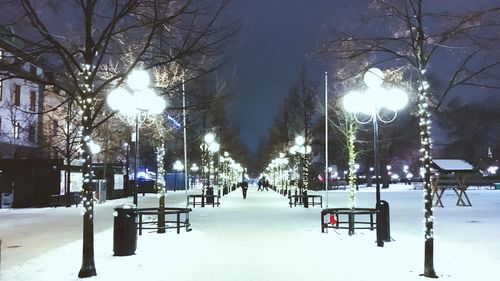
{"x":86,"y":101}
{"x":351,"y":137}
{"x":426,"y":159}
{"x":160,"y":155}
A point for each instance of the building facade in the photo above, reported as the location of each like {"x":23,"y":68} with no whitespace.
{"x":20,"y":112}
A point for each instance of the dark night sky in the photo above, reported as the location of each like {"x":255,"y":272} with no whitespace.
{"x":275,"y":40}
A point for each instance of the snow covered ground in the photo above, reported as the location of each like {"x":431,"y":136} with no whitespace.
{"x":262,"y":238}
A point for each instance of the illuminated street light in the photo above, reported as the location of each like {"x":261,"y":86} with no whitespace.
{"x":135,"y":101}
{"x":194,"y":168}
{"x":209,"y":146}
{"x":178,"y":166}
{"x":370,"y":102}
{"x":301,"y":149}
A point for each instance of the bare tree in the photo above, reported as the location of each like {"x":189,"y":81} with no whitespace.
{"x":418,"y":36}
{"x":296,"y":117}
{"x":60,"y":131}
{"x":93,"y":45}
{"x":21,"y":123}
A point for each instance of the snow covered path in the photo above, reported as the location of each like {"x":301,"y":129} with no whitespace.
{"x":262,"y":238}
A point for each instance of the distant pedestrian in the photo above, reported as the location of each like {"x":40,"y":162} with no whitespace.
{"x":259,"y":185}
{"x":244,"y":189}
{"x":265,"y":184}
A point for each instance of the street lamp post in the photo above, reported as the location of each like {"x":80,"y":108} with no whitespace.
{"x":211,"y":147}
{"x":302,"y":149}
{"x":293,"y":169}
{"x":194,"y":168}
{"x":134,"y":101}
{"x":178,"y":166}
{"x":224,"y":159}
{"x":281,"y":163}
{"x":370,"y":102}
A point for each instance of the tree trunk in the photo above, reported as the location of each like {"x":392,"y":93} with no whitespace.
{"x":88,"y":265}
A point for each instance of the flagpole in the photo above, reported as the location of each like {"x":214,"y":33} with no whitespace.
{"x":326,"y":137}
{"x":185,"y":139}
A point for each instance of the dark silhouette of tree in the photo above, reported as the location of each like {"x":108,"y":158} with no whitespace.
{"x":471,"y":128}
{"x":296,"y":117}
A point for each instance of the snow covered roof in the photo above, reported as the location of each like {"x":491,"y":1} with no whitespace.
{"x":452,"y":165}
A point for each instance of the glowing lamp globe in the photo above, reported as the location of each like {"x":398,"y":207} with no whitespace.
{"x":299,"y":140}
{"x":138,"y":79}
{"x":374,"y":77}
{"x":178,"y":166}
{"x":395,"y":99}
{"x":355,"y":102}
{"x":213,"y":147}
{"x":209,"y":138}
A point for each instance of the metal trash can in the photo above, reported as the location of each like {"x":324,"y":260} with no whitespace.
{"x":305,"y":202}
{"x":209,"y":195}
{"x":125,"y":230}
{"x":383,"y":223}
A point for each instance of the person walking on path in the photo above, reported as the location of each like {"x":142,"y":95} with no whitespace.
{"x":260,"y":185}
{"x":265,"y":184}
{"x":244,"y":189}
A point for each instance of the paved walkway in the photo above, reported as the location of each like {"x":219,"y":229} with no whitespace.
{"x":30,"y":232}
{"x":262,"y":238}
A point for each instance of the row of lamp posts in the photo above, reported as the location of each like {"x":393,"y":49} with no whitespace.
{"x":278,"y":167}
{"x":136,"y":103}
{"x":218,"y":170}
{"x":299,"y":172}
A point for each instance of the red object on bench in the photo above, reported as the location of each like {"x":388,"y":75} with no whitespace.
{"x":332,"y":219}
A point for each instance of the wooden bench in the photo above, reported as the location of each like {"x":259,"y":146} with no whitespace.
{"x":311,"y":200}
{"x":72,"y":198}
{"x":202,"y":199}
{"x":148,"y":219}
{"x":295,"y":200}
{"x":345,"y":218}
{"x":197,"y":199}
{"x":339,"y":184}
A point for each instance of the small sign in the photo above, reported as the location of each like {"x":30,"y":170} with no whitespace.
{"x":7,"y":199}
